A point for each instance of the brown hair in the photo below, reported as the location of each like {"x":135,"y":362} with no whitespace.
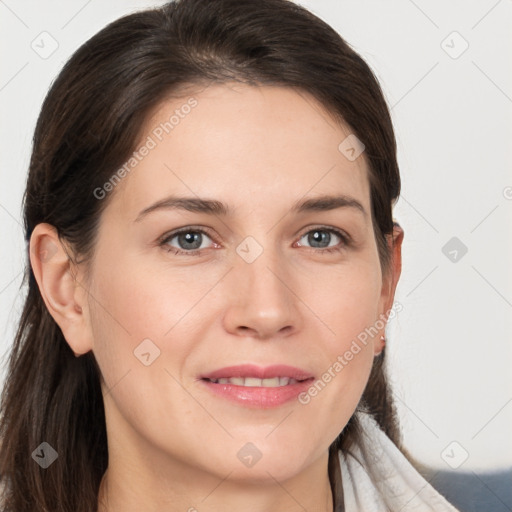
{"x":88,"y":126}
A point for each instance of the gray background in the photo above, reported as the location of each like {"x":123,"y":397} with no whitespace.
{"x":445,"y":69}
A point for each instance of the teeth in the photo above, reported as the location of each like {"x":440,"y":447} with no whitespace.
{"x":253,"y":382}
{"x":272,"y":383}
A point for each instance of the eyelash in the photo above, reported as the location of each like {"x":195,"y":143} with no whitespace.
{"x":165,"y":239}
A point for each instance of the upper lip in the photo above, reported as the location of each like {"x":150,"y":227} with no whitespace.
{"x":259,"y":372}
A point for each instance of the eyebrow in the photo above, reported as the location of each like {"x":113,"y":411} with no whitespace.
{"x":213,"y":207}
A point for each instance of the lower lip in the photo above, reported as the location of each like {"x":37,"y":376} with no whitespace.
{"x":258,"y":397}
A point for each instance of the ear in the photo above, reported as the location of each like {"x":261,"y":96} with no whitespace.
{"x":60,"y":287}
{"x":390,"y":280}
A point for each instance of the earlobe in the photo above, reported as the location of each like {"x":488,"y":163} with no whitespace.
{"x":59,"y":289}
{"x":380,"y":346}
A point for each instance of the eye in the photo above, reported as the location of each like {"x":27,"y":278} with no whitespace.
{"x":187,"y":241}
{"x":192,"y":241}
{"x":321,"y":238}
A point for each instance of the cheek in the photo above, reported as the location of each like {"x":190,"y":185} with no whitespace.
{"x":139,"y":307}
{"x":348,"y":305}
{"x":136,"y":312}
{"x":348,"y":300}
{"x":145,"y":300}
{"x":125,"y":311}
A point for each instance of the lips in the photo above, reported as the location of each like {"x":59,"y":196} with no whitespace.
{"x":257,"y":387}
{"x":250,"y":371}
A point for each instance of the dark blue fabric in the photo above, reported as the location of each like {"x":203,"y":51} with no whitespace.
{"x":474,"y":491}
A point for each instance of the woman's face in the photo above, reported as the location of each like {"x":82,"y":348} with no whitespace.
{"x":258,"y":276}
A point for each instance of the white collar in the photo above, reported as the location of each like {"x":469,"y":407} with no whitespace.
{"x":377,"y":477}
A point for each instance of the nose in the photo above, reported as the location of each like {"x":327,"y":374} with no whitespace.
{"x":261,"y":302}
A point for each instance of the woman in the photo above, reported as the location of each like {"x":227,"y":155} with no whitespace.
{"x":213,"y":260}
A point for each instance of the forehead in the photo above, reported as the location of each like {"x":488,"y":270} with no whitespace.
{"x":248,"y":146}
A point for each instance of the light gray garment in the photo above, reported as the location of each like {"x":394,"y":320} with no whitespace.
{"x":379,"y":478}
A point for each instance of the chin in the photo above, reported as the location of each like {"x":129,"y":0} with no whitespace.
{"x":259,"y":462}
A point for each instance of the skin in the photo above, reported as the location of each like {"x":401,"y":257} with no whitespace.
{"x":172,"y":444}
